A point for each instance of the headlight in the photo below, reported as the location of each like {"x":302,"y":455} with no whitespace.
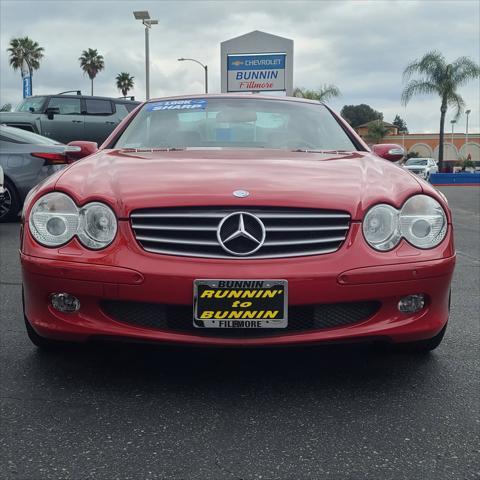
{"x":98,"y":225}
{"x":381,"y":228}
{"x":423,"y":222}
{"x":54,"y":219}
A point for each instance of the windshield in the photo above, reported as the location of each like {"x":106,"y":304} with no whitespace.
{"x":31,"y":104}
{"x":235,"y":123}
{"x":417,"y":161}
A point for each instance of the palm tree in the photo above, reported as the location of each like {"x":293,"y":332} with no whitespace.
{"x":377,"y":130}
{"x":25,"y":50}
{"x":124,"y":82}
{"x":323,"y":94}
{"x":442,"y":78}
{"x":91,"y":63}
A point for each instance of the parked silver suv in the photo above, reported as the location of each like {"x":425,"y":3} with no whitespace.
{"x":423,"y":167}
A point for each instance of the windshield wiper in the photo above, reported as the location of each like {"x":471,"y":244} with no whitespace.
{"x":306,"y":150}
{"x":159,"y":149}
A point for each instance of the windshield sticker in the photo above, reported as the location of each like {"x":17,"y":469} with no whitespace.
{"x":193,"y":104}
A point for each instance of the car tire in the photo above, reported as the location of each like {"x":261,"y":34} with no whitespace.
{"x":39,"y":341}
{"x":421,"y":346}
{"x":11,"y":204}
{"x":42,"y":342}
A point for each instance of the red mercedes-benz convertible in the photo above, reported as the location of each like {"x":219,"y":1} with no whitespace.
{"x":228,"y":220}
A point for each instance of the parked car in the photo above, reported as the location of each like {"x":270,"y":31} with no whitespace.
{"x":69,"y":117}
{"x":2,"y":190}
{"x":228,"y":220}
{"x":423,"y":167}
{"x":26,"y":159}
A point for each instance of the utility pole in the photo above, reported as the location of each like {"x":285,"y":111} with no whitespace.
{"x":144,"y":16}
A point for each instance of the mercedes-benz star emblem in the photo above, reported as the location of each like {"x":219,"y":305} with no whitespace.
{"x":241,"y":193}
{"x":241,"y":233}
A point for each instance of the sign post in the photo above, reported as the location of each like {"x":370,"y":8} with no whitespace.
{"x":257,"y":62}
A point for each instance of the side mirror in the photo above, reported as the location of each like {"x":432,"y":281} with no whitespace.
{"x":51,"y":112}
{"x":84,"y":149}
{"x":389,"y":151}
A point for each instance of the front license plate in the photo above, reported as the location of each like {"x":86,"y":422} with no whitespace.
{"x":240,"y":303}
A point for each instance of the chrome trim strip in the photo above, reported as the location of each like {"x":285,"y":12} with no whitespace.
{"x":179,"y":215}
{"x":180,"y":241}
{"x":307,"y":229}
{"x":302,"y":215}
{"x":174,"y":228}
{"x":205,"y":214}
{"x":250,"y":257}
{"x":279,"y":243}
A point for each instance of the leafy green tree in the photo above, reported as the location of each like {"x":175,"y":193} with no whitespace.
{"x":412,"y":154}
{"x":466,"y":162}
{"x":357,"y":115}
{"x":25,"y":50}
{"x":91,"y":63}
{"x":436,"y":76}
{"x":124,"y":82}
{"x":400,"y":123}
{"x":323,"y":94}
{"x":376,"y":131}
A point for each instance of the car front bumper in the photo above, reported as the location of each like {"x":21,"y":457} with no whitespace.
{"x":126,"y":273}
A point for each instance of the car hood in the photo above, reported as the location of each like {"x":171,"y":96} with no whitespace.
{"x":130,"y":180}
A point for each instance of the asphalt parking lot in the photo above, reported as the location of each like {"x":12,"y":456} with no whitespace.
{"x":131,"y":412}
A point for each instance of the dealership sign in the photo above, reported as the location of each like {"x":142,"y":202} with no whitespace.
{"x":27,"y":86}
{"x":247,"y":73}
{"x":26,"y":80}
{"x":257,"y":62}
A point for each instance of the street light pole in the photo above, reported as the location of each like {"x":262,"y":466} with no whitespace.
{"x":205,"y":67}
{"x":147,"y":64}
{"x":453,"y":145}
{"x":467,"y":113}
{"x":453,"y":122}
{"x":206,"y":79}
{"x":144,"y":16}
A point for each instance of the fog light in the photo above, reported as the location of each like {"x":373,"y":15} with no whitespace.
{"x":64,"y":302}
{"x":412,"y":303}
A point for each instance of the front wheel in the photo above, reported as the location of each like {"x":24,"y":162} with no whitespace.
{"x":39,"y":341}
{"x":42,"y":342}
{"x":421,"y":346}
{"x":11,"y":204}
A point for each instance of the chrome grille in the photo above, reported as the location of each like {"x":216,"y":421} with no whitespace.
{"x":192,"y":231}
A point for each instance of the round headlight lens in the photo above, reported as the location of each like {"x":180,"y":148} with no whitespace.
{"x":380,"y":227}
{"x":423,"y":221}
{"x":98,"y":225}
{"x":54,"y":219}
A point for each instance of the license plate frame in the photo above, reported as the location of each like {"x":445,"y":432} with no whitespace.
{"x":264,"y":303}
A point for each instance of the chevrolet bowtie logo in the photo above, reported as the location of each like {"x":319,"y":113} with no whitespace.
{"x":241,"y":233}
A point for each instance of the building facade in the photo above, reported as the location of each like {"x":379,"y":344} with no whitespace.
{"x":426,"y":145}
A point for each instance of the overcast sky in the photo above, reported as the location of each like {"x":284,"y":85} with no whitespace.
{"x":360,"y":46}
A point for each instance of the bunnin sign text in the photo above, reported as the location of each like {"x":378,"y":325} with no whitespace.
{"x":256,"y":72}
